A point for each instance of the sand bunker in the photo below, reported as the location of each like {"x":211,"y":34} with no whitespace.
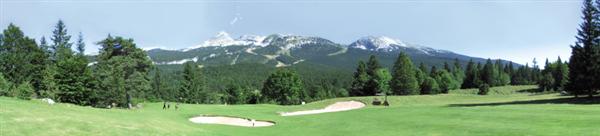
{"x":338,"y":106}
{"x":234,"y":121}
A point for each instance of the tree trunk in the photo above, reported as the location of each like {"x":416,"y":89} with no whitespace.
{"x":128,"y":100}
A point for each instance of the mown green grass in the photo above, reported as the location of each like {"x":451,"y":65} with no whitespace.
{"x":509,"y":110}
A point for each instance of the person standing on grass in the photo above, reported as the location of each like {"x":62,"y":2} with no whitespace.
{"x":164,"y":105}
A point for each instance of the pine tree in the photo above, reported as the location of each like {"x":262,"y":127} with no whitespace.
{"x":192,"y":88}
{"x":471,"y":76}
{"x":581,"y":65}
{"x":44,"y":45}
{"x":502,"y":78}
{"x":158,"y":92}
{"x":80,"y":44}
{"x":511,"y":68}
{"x":423,"y":68}
{"x":433,"y":71}
{"x":49,"y":87}
{"x":72,"y":78}
{"x":447,"y":67}
{"x":488,"y":75}
{"x":404,"y":81}
{"x":360,"y":80}
{"x":458,"y":73}
{"x":234,"y":94}
{"x":421,"y":76}
{"x":60,"y":38}
{"x":595,"y":56}
{"x":522,"y":76}
{"x":577,"y":70}
{"x":560,"y":75}
{"x":372,"y":67}
{"x":535,"y":73}
{"x":547,"y":75}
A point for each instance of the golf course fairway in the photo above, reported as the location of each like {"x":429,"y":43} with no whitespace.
{"x":507,"y":110}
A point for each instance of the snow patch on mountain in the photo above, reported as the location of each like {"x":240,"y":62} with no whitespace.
{"x":156,"y":47}
{"x":342,"y":51}
{"x":195,"y":59}
{"x":92,"y":63}
{"x":251,"y":50}
{"x":270,"y":57}
{"x":281,"y":64}
{"x":212,"y":55}
{"x":298,"y":61}
{"x":235,"y":60}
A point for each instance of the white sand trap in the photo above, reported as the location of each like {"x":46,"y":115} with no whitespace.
{"x":230,"y":121}
{"x":338,"y":106}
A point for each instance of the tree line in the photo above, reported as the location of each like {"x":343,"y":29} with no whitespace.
{"x":407,"y":79}
{"x":54,"y":70}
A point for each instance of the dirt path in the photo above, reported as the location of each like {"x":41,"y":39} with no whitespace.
{"x":336,"y":107}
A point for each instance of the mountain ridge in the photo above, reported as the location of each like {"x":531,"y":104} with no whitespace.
{"x":282,"y":50}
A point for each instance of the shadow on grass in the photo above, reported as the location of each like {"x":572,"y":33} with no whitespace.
{"x":532,"y":90}
{"x":535,"y":91}
{"x":572,"y":100}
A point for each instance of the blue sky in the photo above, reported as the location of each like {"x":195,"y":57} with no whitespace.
{"x":517,"y":30}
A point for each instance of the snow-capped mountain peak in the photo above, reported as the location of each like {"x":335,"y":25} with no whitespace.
{"x":378,"y":43}
{"x":254,"y":39}
{"x":223,"y":39}
{"x":222,"y":35}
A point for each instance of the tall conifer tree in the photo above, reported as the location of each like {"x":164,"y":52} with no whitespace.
{"x":404,"y":81}
{"x":582,"y":72}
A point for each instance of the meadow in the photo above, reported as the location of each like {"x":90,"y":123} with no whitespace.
{"x":507,"y":110}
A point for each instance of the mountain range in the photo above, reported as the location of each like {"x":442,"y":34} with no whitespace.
{"x":279,"y":50}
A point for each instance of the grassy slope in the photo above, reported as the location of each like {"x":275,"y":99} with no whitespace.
{"x":507,"y":111}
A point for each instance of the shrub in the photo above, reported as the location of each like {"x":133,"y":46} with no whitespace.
{"x":4,"y":86}
{"x":24,"y":91}
{"x":484,"y":89}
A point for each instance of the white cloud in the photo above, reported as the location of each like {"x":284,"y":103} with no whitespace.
{"x":235,"y":19}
